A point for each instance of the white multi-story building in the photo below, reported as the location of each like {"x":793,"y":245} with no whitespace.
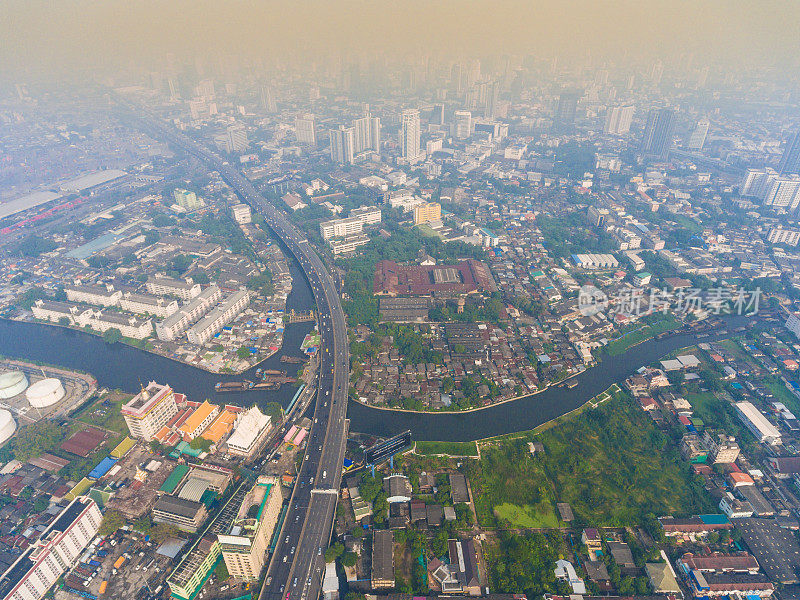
{"x":174,"y":325}
{"x":128,"y":325}
{"x":100,"y":295}
{"x":144,"y":304}
{"x":214,"y":321}
{"x":343,"y":145}
{"x":784,"y":192}
{"x":149,"y":410}
{"x":185,"y":289}
{"x":236,"y":139}
{"x":341,"y":227}
{"x":410,"y":136}
{"x":698,"y":136}
{"x":241,"y":213}
{"x":306,"y":129}
{"x":369,"y":215}
{"x":778,"y":235}
{"x":348,"y":244}
{"x":54,"y":311}
{"x":57,"y":550}
{"x":793,"y":325}
{"x":463,"y":124}
{"x":618,"y":120}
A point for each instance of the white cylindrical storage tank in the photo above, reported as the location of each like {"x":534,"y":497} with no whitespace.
{"x":12,"y":383}
{"x":7,"y":426}
{"x":45,"y":393}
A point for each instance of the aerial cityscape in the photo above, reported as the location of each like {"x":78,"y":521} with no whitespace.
{"x":348,"y":300}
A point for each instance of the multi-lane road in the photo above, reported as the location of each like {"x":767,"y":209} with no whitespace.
{"x":297,"y":566}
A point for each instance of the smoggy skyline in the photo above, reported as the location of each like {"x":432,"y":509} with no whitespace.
{"x":42,"y":38}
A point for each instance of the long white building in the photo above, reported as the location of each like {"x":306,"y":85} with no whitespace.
{"x":251,"y":429}
{"x":173,"y":326}
{"x":341,"y":227}
{"x":166,"y":286}
{"x":101,"y":295}
{"x":214,"y":321}
{"x":58,"y":549}
{"x":757,"y":423}
{"x":145,"y":304}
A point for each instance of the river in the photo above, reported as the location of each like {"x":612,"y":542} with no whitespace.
{"x":125,"y":367}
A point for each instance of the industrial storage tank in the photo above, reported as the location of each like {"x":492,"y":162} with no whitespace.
{"x":12,"y":383}
{"x":45,"y":393}
{"x":7,"y":426}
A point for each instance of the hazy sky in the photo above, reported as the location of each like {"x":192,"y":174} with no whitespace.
{"x":48,"y":36}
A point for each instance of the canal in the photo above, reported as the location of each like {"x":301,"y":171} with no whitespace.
{"x":125,"y":367}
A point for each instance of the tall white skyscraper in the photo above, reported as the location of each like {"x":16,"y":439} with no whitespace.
{"x":698,"y":136}
{"x":342,"y":144}
{"x":375,"y":134}
{"x":410,"y":135}
{"x":618,"y":120}
{"x":463,"y":124}
{"x":306,"y":129}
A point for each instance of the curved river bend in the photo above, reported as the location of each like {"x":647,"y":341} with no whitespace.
{"x":125,"y":367}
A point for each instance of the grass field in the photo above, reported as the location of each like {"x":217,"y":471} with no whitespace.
{"x":610,"y":464}
{"x":105,"y":412}
{"x":527,"y":516}
{"x":449,"y":448}
{"x":637,"y":335}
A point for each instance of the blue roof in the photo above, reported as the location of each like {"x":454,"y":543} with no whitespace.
{"x":714,"y":519}
{"x":103,"y":467}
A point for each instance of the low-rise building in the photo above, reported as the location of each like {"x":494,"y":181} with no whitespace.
{"x":241,"y":213}
{"x":186,"y":515}
{"x":197,"y":422}
{"x":251,"y":429}
{"x":382,"y":559}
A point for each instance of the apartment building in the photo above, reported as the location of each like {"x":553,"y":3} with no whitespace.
{"x":341,"y":227}
{"x":214,"y":321}
{"x":173,"y":326}
{"x":369,"y":215}
{"x":99,"y":295}
{"x":58,"y":549}
{"x":778,"y":235}
{"x":241,"y":213}
{"x":722,"y":448}
{"x":194,"y":569}
{"x":244,"y":545}
{"x":128,"y":325}
{"x":185,"y":289}
{"x":348,"y":244}
{"x":145,"y":304}
{"x":54,"y":311}
{"x":149,"y":410}
{"x":427,"y":213}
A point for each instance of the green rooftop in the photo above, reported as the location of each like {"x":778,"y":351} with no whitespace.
{"x":174,"y":479}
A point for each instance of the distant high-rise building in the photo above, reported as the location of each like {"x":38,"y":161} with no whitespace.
{"x":698,"y":136}
{"x":306,"y":129}
{"x":657,"y":72}
{"x":236,"y":139}
{"x":343,"y":144}
{"x":375,"y":134}
{"x":618,"y":120}
{"x":268,"y":100}
{"x":437,"y":115}
{"x":566,"y":108}
{"x":492,"y":98}
{"x":790,"y":161}
{"x":187,"y":199}
{"x":410,"y":135}
{"x":657,"y":137}
{"x":463,"y":124}
{"x":205,"y":89}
